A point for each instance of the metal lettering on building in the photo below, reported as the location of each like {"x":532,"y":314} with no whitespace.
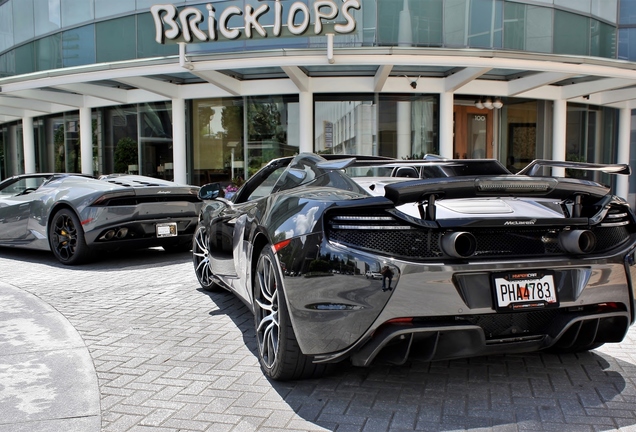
{"x":189,"y":24}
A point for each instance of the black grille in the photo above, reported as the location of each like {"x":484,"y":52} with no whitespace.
{"x":504,"y":325}
{"x":384,"y":235}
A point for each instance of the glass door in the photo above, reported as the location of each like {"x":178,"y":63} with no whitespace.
{"x":473,"y":136}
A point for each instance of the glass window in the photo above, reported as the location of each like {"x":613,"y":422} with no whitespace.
{"x":603,"y":40}
{"x":47,"y":14}
{"x":113,"y":7}
{"x":48,"y":52}
{"x":484,"y":26}
{"x":146,"y":44}
{"x":514,"y":26}
{"x":591,"y":136}
{"x":3,"y":139}
{"x":6,"y":26}
{"x":119,"y":151}
{"x":539,"y":29}
{"x":144,"y":4}
{"x":78,"y":46}
{"x":11,"y":151}
{"x":44,"y":154}
{"x":155,"y":139}
{"x":627,"y":12}
{"x":66,"y":142}
{"x":627,"y":44}
{"x":575,"y":5}
{"x":455,"y":22}
{"x":392,"y":125}
{"x":217,"y":139}
{"x":571,"y":33}
{"x":606,"y":9}
{"x":23,"y":21}
{"x":345,"y":124}
{"x":219,"y":150}
{"x":272,"y":132}
{"x":24,"y":59}
{"x":122,"y":47}
{"x":77,"y":12}
{"x":407,"y":125}
{"x":7,"y":64}
{"x":420,"y":24}
{"x":518,"y":134}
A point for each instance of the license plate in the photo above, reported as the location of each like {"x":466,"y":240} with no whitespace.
{"x":518,"y":291}
{"x":166,"y":229}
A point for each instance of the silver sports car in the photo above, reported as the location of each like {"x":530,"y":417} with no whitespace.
{"x":474,"y":260}
{"x":75,"y":215}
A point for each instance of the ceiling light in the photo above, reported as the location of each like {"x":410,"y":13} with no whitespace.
{"x":488,"y":103}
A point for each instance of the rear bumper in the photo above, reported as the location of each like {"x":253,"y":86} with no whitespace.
{"x":141,"y":233}
{"x":345,"y":314}
{"x":395,"y":343}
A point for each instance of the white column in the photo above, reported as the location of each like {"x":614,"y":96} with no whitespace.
{"x":179,"y":141}
{"x":446,"y":125}
{"x":622,"y":154}
{"x":403,"y":129}
{"x":559,"y":119}
{"x":306,"y":117}
{"x":86,"y":140}
{"x":28,"y":145}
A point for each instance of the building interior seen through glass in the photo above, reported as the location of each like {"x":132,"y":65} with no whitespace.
{"x":234,"y":137}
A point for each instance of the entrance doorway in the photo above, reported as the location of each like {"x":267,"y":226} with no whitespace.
{"x":472,"y":132}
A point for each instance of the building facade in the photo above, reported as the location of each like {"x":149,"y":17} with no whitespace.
{"x":210,"y":91}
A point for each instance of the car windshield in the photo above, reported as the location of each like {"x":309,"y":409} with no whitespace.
{"x":21,"y":186}
{"x":311,"y":170}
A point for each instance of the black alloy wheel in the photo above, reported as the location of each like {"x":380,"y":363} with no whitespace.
{"x":66,"y":238}
{"x":201,"y":259}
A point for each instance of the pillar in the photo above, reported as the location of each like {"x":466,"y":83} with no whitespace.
{"x":559,"y":119}
{"x":446,"y":125}
{"x":28,"y":145}
{"x":306,"y":117}
{"x":86,"y":140}
{"x":179,"y":141}
{"x":622,"y":154}
{"x":404,"y":147}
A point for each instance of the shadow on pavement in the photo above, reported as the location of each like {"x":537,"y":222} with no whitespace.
{"x":522,"y":391}
{"x":104,"y":261}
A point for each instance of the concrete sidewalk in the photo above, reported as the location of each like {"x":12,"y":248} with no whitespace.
{"x":47,"y":377}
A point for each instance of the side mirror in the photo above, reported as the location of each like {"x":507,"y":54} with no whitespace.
{"x":209,"y":191}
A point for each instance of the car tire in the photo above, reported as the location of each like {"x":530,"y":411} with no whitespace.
{"x":201,"y":259}
{"x":66,"y":238}
{"x":278,"y":351}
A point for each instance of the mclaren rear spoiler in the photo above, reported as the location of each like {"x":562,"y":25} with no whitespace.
{"x":535,"y":166}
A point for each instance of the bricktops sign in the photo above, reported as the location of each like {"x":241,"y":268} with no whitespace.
{"x":191,"y":25}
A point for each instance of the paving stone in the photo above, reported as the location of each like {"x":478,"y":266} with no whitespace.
{"x":171,"y":357}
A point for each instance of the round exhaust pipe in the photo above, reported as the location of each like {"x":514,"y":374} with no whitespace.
{"x":109,"y":235}
{"x":459,"y":244}
{"x":121,"y":233}
{"x":577,"y":241}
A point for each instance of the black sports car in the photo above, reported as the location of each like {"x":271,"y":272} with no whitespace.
{"x":75,"y":215}
{"x":474,"y":260}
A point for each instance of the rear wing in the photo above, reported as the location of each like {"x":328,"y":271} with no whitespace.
{"x":535,"y":166}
